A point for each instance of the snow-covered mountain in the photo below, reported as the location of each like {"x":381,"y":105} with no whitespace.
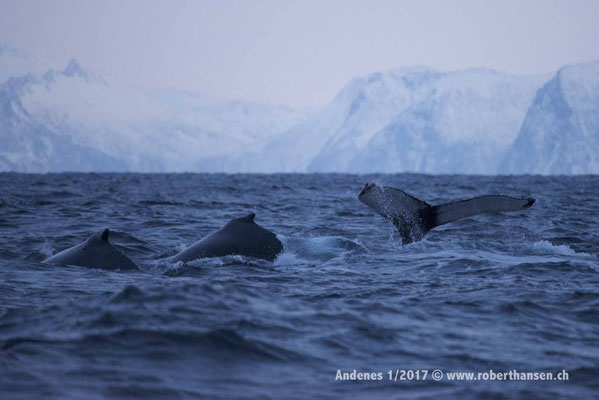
{"x":77,"y":120}
{"x":363,"y":107}
{"x":405,"y":120}
{"x":560,"y":134}
{"x":423,"y":120}
{"x":465,"y":124}
{"x":409,"y":119}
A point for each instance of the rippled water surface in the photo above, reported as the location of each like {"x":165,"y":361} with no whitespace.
{"x":501,"y":292}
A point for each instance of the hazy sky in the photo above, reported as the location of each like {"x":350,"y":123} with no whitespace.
{"x":297,"y":52}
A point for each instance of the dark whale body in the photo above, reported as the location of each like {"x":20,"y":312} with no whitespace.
{"x":95,"y":252}
{"x":413,"y":218}
{"x":240,"y":236}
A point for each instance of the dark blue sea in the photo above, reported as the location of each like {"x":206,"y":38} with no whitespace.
{"x":501,"y":292}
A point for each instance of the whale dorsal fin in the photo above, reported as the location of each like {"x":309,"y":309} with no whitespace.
{"x":105,"y":234}
{"x":248,"y":218}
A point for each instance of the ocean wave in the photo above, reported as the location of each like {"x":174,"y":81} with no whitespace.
{"x":562,"y":249}
{"x":227,"y":344}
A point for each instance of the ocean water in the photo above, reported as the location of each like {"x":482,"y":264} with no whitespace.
{"x":502,"y":292}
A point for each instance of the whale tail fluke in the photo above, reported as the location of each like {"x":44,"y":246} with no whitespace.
{"x":414,"y":218}
{"x":450,"y":212}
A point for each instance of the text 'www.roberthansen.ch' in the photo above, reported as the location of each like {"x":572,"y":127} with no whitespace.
{"x":398,"y":375}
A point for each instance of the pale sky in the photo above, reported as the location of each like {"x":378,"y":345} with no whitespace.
{"x":297,"y":52}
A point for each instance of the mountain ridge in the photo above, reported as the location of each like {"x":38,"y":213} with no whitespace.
{"x":409,"y":119}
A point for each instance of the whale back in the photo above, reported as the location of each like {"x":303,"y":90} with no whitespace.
{"x":240,"y":236}
{"x":95,"y":252}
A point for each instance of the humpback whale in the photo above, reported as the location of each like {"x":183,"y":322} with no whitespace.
{"x":413,"y":218}
{"x":240,"y":236}
{"x":95,"y":252}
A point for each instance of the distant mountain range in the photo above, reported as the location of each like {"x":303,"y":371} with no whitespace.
{"x":78,"y":120}
{"x":475,"y":121}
